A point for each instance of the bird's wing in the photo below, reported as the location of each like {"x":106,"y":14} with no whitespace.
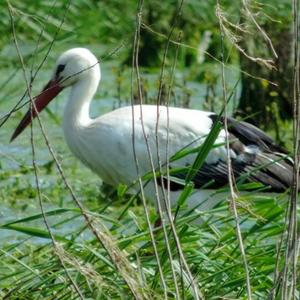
{"x":255,"y":157}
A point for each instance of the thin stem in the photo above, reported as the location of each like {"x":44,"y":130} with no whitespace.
{"x":32,"y":106}
{"x":136,"y":68}
{"x":233,"y":195}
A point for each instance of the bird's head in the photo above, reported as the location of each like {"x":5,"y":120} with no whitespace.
{"x":75,"y":65}
{"x":72,"y":66}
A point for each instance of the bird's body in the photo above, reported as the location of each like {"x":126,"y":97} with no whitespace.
{"x":114,"y":144}
{"x":119,"y":138}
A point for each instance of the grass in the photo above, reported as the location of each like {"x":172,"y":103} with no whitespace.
{"x":30,"y":267}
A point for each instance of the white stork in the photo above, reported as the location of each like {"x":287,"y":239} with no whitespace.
{"x":105,"y":144}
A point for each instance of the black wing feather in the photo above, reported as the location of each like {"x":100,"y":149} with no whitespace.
{"x":249,"y":134}
{"x":268,"y":164}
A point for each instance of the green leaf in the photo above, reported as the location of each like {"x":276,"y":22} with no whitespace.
{"x":33,"y":231}
{"x":39,"y":216}
{"x":188,"y":189}
{"x":204,"y":150}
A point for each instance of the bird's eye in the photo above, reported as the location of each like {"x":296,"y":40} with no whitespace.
{"x":59,"y":69}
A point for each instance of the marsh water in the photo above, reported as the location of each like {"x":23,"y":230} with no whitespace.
{"x":18,"y":194}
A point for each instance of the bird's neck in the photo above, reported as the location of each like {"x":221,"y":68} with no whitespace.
{"x":77,"y":111}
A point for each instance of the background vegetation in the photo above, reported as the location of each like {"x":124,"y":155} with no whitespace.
{"x":69,"y":237}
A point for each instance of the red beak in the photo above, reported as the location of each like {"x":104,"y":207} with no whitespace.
{"x":49,"y":92}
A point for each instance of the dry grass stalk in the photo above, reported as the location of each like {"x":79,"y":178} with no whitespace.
{"x":85,"y":269}
{"x":227,"y":27}
{"x":231,"y":180}
{"x":122,"y":264}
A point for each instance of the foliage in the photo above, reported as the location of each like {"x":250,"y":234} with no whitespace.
{"x":32,"y":264}
{"x":29,"y":263}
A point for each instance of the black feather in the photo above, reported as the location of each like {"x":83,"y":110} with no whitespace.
{"x":257,"y":158}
